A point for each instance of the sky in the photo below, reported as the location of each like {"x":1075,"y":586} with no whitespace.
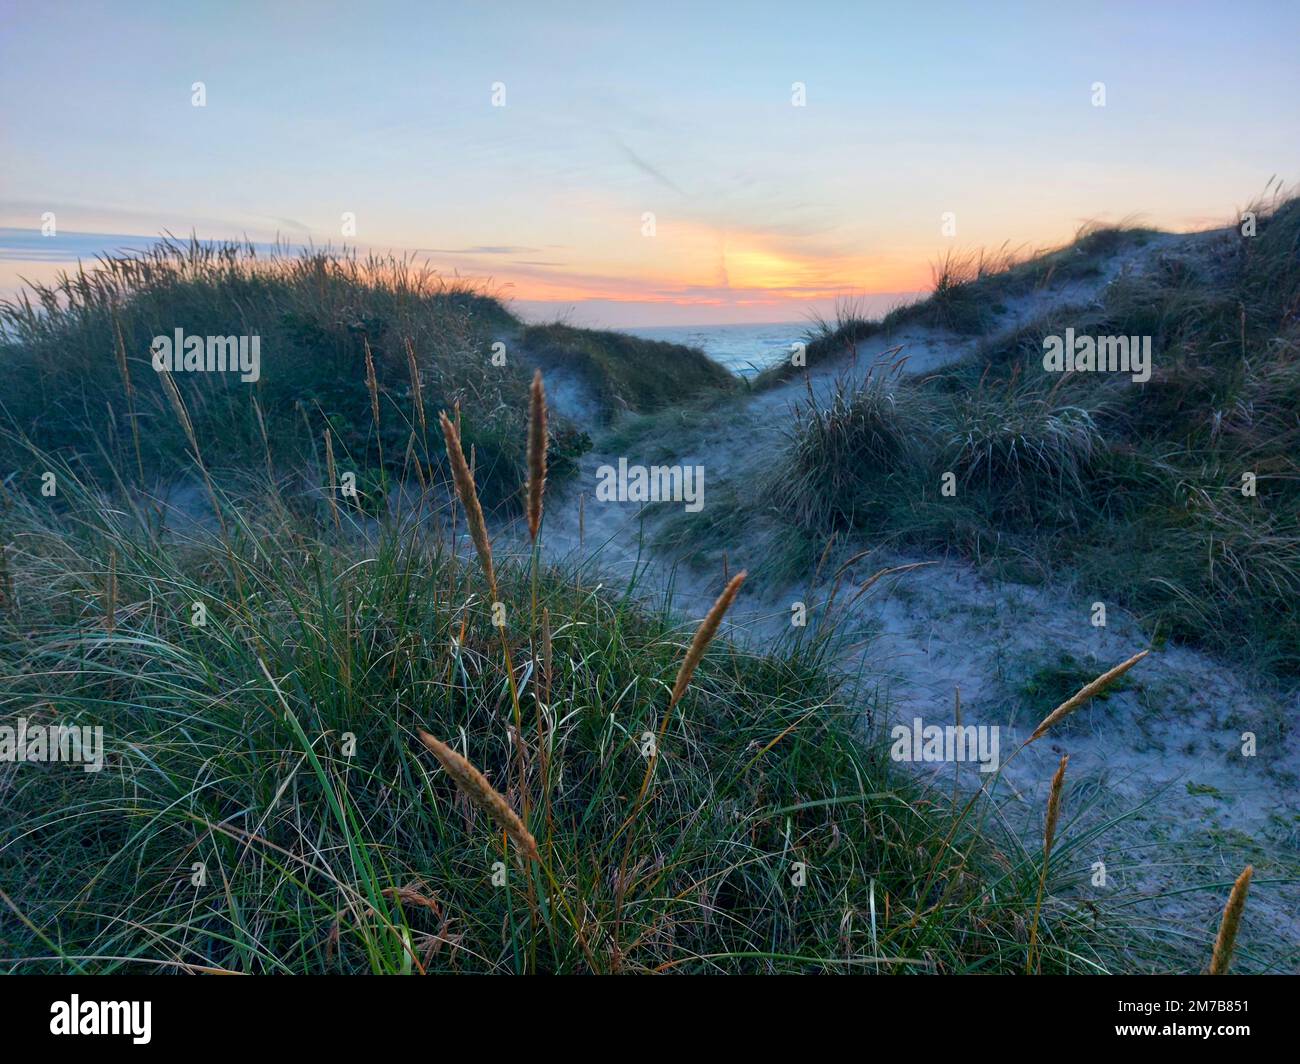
{"x":618,"y":113}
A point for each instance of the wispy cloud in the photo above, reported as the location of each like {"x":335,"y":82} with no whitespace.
{"x":29,"y":245}
{"x":646,"y":168}
{"x":484,"y":249}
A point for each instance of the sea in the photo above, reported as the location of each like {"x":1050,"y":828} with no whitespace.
{"x":743,"y":349}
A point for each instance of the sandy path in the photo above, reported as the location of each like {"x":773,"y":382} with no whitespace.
{"x":1165,"y":753}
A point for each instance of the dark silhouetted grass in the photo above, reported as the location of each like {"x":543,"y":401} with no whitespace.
{"x":627,"y":372}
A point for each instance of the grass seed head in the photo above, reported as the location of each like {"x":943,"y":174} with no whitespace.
{"x":704,"y":636}
{"x":536,"y":454}
{"x":478,"y":790}
{"x":1084,"y":694}
{"x":1227,"y":937}
{"x":464,"y":481}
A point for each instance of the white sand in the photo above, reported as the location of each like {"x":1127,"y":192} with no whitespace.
{"x":1164,"y":753}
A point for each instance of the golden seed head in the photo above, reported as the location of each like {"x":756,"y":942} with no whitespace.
{"x":536,"y":454}
{"x":464,"y":481}
{"x":1084,"y":694}
{"x":1054,"y":807}
{"x":704,"y":636}
{"x":1227,"y":937}
{"x":475,"y":786}
{"x":417,"y":390}
{"x":372,"y":385}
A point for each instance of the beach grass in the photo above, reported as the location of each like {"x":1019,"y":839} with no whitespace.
{"x":269,"y":802}
{"x":1178,"y":497}
{"x":357,"y":731}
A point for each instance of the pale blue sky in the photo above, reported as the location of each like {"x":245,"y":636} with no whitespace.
{"x":616,"y":109}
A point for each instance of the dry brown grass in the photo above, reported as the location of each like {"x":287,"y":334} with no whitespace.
{"x":1227,"y":936}
{"x":1084,"y":693}
{"x":1049,"y":836}
{"x":703,"y":637}
{"x":464,"y":481}
{"x":536,"y":454}
{"x":331,"y":474}
{"x":475,"y":786}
